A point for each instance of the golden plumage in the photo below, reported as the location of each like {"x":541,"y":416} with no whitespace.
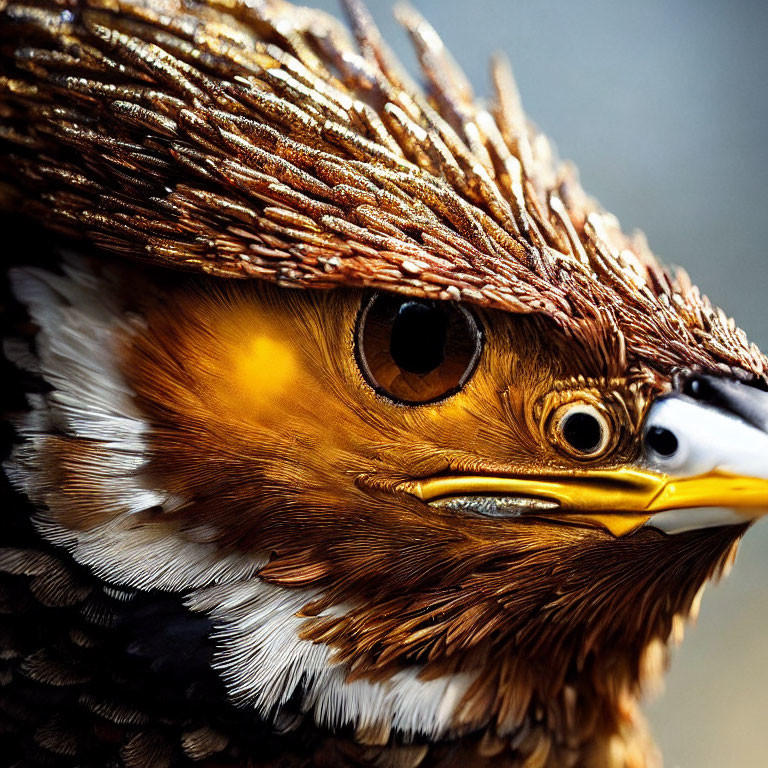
{"x":230,"y":480}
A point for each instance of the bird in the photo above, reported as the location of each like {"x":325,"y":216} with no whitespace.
{"x":347,"y":429}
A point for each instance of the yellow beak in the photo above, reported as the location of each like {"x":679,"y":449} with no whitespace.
{"x":716,"y":474}
{"x":619,"y":500}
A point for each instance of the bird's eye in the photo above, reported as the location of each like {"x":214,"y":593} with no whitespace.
{"x":414,"y":350}
{"x":582,"y":430}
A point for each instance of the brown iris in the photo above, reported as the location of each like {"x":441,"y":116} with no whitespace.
{"x":415,"y":350}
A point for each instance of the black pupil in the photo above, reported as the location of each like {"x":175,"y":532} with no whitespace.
{"x":419,"y":331}
{"x":583,"y":432}
{"x":662,"y":441}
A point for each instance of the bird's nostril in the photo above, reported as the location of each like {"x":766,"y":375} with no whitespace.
{"x":662,"y":441}
{"x":698,"y":388}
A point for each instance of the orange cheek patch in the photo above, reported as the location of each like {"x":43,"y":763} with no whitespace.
{"x":252,"y":375}
{"x":265,"y":367}
{"x":262,"y":374}
{"x":248,"y":366}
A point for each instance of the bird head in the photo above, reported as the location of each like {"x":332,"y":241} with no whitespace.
{"x":484,"y":477}
{"x":461,"y":491}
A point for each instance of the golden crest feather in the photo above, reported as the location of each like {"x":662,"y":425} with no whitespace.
{"x":260,"y":139}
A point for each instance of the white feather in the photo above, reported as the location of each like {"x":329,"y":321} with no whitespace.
{"x":265,"y":663}
{"x":81,"y":320}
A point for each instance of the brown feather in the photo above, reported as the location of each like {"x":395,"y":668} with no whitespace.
{"x":257,"y":140}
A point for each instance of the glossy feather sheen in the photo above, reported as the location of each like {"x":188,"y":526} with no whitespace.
{"x":218,"y":566}
{"x":261,"y":140}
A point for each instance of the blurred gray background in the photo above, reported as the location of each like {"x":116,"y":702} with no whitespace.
{"x":664,"y":108}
